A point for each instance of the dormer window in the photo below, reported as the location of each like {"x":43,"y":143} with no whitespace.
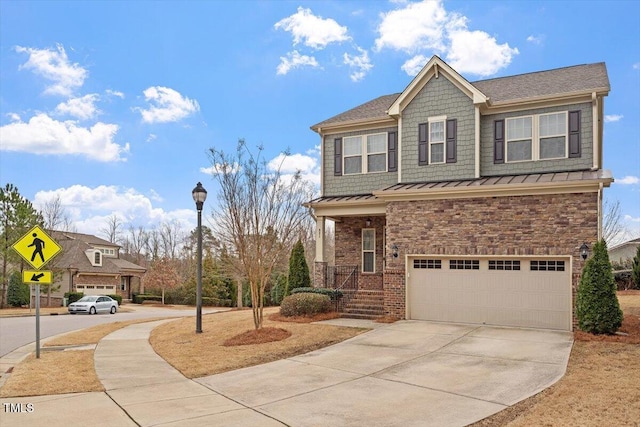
{"x":97,"y":258}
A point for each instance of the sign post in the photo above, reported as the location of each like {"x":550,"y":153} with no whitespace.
{"x":37,"y":249}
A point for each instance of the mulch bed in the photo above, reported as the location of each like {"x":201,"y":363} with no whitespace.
{"x":629,"y":332}
{"x":258,"y":336}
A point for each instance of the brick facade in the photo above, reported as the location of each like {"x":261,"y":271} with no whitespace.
{"x":513,"y":225}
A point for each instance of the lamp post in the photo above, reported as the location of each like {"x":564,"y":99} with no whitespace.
{"x":199,"y":196}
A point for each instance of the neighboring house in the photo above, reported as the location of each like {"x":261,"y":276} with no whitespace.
{"x":624,"y":252}
{"x":93,"y":266}
{"x":466,"y":202}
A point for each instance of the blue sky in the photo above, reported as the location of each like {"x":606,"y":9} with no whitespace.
{"x":111,"y":106}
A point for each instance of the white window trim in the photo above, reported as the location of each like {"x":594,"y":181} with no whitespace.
{"x":535,"y":137}
{"x":364,"y":154}
{"x":368,"y":250}
{"x":430,"y":121}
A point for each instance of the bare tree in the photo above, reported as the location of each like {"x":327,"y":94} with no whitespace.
{"x":112,"y":228}
{"x":136,"y":242}
{"x":56,"y":216}
{"x":613,"y":229}
{"x":153,"y":244}
{"x":172,"y":238}
{"x":259,"y":215}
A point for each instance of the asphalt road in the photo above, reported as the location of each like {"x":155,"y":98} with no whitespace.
{"x":18,"y":331}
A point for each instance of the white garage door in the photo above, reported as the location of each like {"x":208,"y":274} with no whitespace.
{"x":96,"y":289}
{"x":527,"y":292}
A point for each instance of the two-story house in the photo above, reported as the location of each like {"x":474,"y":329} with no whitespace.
{"x":93,"y":266}
{"x":467,"y":202}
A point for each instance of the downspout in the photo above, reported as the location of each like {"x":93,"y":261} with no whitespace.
{"x":477,"y":138}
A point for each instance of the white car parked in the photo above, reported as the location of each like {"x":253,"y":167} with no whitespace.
{"x":93,"y":304}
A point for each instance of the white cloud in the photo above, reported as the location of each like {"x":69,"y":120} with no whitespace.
{"x":413,"y":66}
{"x":478,"y":53}
{"x":631,"y":219}
{"x":89,"y":208}
{"x":151,"y":137}
{"x":81,"y":108}
{"x":628,"y":180}
{"x":295,"y":60}
{"x":114,"y":93}
{"x":415,"y":27}
{"x":54,"y":65}
{"x":608,"y":118}
{"x":14,"y":117}
{"x":44,"y":135}
{"x":636,"y":66}
{"x":360,"y":64}
{"x":308,"y":165}
{"x":535,"y":39}
{"x":424,"y":28}
{"x":312,"y":31}
{"x":167,"y":105}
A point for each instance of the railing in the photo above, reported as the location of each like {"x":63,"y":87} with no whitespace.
{"x":343,"y":278}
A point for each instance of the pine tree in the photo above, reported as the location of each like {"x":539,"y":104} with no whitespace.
{"x":635,"y":269}
{"x":597,"y":306}
{"x":17,"y":292}
{"x":298,"y":269}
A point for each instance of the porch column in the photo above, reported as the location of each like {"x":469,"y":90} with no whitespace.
{"x":320,"y":265}
{"x":320,"y":239}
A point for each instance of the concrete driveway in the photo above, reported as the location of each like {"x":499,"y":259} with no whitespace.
{"x":410,"y":373}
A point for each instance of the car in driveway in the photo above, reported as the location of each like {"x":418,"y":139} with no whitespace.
{"x":93,"y":304}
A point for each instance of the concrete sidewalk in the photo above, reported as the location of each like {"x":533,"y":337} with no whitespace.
{"x":407,"y":374}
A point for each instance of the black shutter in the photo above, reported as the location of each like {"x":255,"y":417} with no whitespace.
{"x":452,"y":129}
{"x":498,"y":143}
{"x":337,"y":157}
{"x":423,"y":144}
{"x":574,"y":134}
{"x":392,"y":146}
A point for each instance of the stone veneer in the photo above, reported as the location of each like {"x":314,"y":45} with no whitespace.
{"x":512,"y":225}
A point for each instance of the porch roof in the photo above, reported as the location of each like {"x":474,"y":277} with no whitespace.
{"x":523,"y":184}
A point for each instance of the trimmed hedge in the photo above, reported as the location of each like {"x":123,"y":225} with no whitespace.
{"x":305,"y":304}
{"x":140,"y":298}
{"x":73,"y":296}
{"x":331,"y":293}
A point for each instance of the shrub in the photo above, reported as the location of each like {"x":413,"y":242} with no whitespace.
{"x":597,"y":306}
{"x":279,"y":289}
{"x":331,"y":293}
{"x":140,"y":298}
{"x":117,"y":298}
{"x":17,"y":292}
{"x":73,"y":296}
{"x":298,"y":269}
{"x":305,"y":304}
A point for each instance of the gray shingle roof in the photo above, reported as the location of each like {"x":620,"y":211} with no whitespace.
{"x":374,"y":109}
{"x":559,"y":81}
{"x":578,"y":78}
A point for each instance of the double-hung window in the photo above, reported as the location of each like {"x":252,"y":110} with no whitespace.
{"x":436,"y":139}
{"x":365,"y":153}
{"x":368,"y":250}
{"x":537,"y":137}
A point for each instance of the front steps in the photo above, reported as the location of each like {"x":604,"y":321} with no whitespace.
{"x":364,"y":304}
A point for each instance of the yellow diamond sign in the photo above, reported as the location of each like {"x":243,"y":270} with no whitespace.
{"x":36,"y":247}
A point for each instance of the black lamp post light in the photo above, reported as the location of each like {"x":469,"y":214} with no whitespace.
{"x":584,"y":251}
{"x":199,"y":196}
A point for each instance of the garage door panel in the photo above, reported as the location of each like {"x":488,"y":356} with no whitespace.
{"x":512,"y":295}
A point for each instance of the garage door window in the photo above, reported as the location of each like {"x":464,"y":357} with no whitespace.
{"x":464,"y":264}
{"x":505,"y":264}
{"x":427,"y":263}
{"x":368,"y":250}
{"x":547,"y":265}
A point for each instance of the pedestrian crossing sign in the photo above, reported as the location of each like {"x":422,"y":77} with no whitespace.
{"x":36,"y":247}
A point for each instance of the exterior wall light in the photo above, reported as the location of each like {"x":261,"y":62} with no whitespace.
{"x":394,"y":250}
{"x":584,"y":251}
{"x":368,"y":222}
